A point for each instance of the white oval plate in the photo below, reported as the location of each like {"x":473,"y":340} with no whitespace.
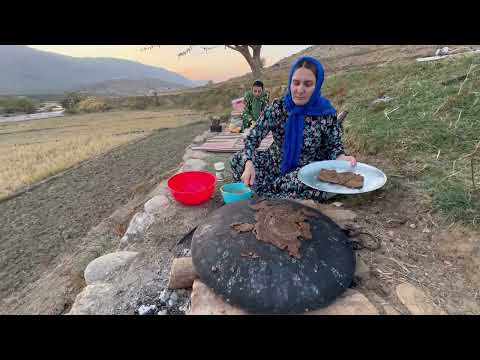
{"x":373,"y":178}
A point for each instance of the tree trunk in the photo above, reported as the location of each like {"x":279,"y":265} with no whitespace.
{"x":253,"y":60}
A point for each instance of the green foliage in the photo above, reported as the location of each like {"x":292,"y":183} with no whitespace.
{"x":10,"y":105}
{"x":71,"y":101}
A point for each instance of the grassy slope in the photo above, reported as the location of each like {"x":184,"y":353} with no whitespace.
{"x":432,"y":119}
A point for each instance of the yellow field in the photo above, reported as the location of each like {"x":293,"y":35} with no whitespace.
{"x":33,"y":150}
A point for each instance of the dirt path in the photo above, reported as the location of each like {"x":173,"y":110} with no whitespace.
{"x":38,"y":226}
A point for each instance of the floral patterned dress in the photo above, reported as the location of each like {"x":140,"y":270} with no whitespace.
{"x":322,"y":141}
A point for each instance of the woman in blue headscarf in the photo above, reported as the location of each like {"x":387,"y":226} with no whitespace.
{"x":305,"y":129}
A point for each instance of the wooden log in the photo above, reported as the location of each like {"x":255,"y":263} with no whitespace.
{"x":182,"y":274}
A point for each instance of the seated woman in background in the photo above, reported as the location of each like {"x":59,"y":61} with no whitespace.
{"x":305,"y":129}
{"x":256,"y":100}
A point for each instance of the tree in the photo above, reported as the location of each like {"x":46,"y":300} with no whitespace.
{"x":71,"y":100}
{"x":251,"y":53}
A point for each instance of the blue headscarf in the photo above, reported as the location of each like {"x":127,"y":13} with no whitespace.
{"x":316,"y":106}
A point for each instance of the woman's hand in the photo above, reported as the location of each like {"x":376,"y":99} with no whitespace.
{"x":352,"y":160}
{"x":248,"y":176}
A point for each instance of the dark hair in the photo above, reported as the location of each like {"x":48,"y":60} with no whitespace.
{"x":307,"y":65}
{"x":258,"y":83}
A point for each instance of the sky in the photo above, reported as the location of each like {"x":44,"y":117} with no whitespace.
{"x":218,"y":64}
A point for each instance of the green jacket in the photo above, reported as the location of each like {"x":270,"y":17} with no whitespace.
{"x":253,"y":107}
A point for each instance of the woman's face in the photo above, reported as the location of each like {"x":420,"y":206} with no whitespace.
{"x":302,"y":86}
{"x":257,"y":91}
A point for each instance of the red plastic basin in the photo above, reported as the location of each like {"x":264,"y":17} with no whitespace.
{"x":192,"y":187}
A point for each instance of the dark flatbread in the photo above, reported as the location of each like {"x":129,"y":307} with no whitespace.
{"x":283,"y":227}
{"x":348,"y":179}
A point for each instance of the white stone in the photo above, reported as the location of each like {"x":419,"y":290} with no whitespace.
{"x":146,"y":309}
{"x":101,"y":268}
{"x":413,"y":226}
{"x":162,"y":312}
{"x":416,"y":301}
{"x":191,"y":154}
{"x":194,"y":165}
{"x":198,"y":139}
{"x":156,"y":204}
{"x":206,"y":302}
{"x":139,"y":223}
{"x":174,"y":296}
{"x":96,"y":299}
{"x":164,"y":295}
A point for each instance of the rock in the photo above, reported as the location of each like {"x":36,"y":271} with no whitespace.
{"x":391,"y":234}
{"x":194,"y":165}
{"x":160,"y":189}
{"x":390,"y":310}
{"x":416,"y":301}
{"x":182,"y":292}
{"x":164,"y":296}
{"x":162,"y":312}
{"x":156,"y":204}
{"x":101,"y":268}
{"x":351,"y":302}
{"x":139,"y":223}
{"x":147,"y":310}
{"x":442,"y":51}
{"x":337,"y":204}
{"x":96,"y":299}
{"x":413,"y":226}
{"x":382,"y":303}
{"x":198,"y":139}
{"x":174,"y":297}
{"x":192,"y":154}
{"x":171,"y":303}
{"x":382,"y":99}
{"x":206,"y":302}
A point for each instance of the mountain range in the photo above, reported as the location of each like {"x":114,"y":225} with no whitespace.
{"x":28,"y":71}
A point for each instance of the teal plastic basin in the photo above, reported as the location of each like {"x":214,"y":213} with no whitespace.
{"x":235,"y":192}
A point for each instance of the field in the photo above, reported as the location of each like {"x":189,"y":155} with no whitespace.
{"x":33,"y":150}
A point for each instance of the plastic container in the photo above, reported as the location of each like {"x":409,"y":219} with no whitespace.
{"x":238,"y":104}
{"x":219,"y":170}
{"x":233,"y":192}
{"x":192,"y":187}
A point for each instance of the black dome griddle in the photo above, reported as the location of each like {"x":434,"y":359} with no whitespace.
{"x":260,"y":277}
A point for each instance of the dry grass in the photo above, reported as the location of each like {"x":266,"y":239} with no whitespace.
{"x":33,"y":150}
